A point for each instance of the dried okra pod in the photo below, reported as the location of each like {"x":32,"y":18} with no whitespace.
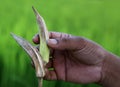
{"x":39,"y":58}
{"x":44,"y":36}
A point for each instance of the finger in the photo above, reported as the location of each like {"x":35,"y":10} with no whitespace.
{"x":58,"y":35}
{"x":67,"y":43}
{"x":36,"y":39}
{"x":50,"y":75}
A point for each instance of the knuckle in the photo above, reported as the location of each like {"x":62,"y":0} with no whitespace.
{"x":65,"y":40}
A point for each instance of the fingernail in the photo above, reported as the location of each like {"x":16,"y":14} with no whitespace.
{"x":35,"y":39}
{"x":52,"y":41}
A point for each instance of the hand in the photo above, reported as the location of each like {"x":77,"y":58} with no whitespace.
{"x":74,"y":59}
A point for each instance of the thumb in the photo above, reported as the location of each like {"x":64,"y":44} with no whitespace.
{"x":71,"y":43}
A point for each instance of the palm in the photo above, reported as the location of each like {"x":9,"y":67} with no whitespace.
{"x":70,"y":68}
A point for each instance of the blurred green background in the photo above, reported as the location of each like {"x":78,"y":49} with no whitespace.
{"x":97,"y":20}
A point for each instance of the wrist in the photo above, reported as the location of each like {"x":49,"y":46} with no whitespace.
{"x":111,"y":71}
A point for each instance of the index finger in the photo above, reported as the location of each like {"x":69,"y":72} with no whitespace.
{"x":52,"y":35}
{"x":58,"y":35}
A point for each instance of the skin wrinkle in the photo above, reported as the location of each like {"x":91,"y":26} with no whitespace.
{"x":104,"y":77}
{"x":102,"y":73}
{"x":110,"y":74}
{"x":86,"y":50}
{"x":83,"y":46}
{"x":58,"y":35}
{"x":90,"y":49}
{"x":66,"y":66}
{"x":110,"y":71}
{"x":82,"y":76}
{"x":57,"y":57}
{"x":55,"y":70}
{"x":68,"y":63}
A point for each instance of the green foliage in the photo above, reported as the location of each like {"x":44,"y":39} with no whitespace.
{"x":97,"y":20}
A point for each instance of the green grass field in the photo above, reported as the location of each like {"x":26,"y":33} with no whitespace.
{"x":97,"y":20}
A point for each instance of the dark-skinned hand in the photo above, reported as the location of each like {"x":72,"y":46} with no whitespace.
{"x":76,"y":59}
